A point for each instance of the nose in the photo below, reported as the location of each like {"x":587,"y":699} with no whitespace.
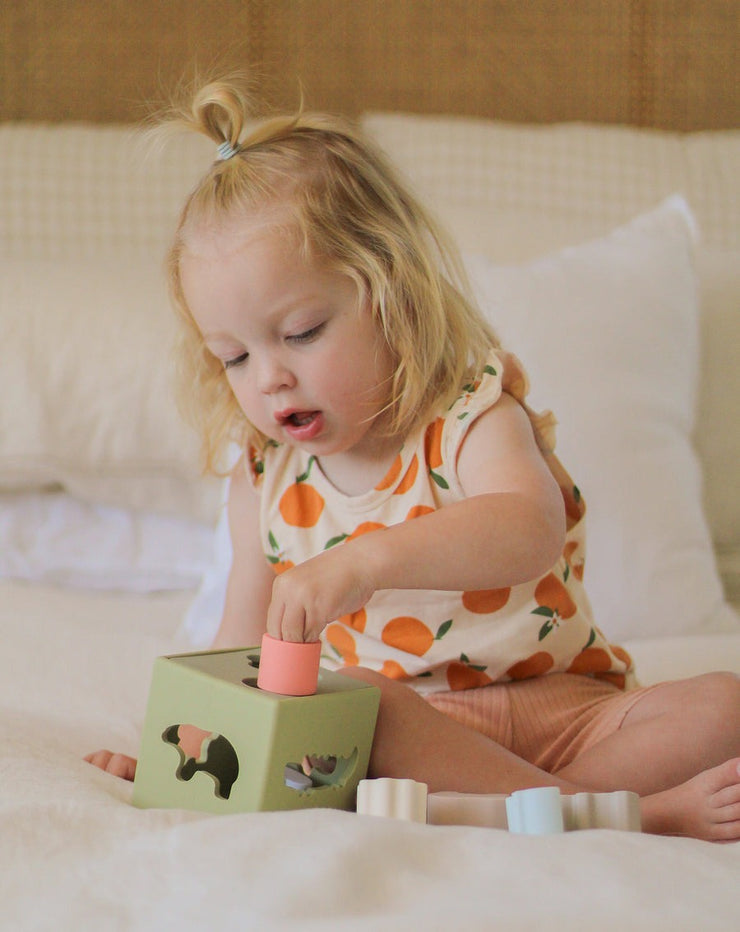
{"x":273,"y":374}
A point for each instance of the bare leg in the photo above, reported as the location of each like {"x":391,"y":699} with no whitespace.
{"x":413,"y":740}
{"x":678,"y":748}
{"x":685,"y":788}
{"x":673,"y":733}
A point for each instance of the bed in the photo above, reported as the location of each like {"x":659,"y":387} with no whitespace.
{"x":586,"y":156}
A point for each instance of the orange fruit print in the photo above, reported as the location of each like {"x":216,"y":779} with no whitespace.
{"x":393,"y":670}
{"x":486,"y":601}
{"x":418,"y":510}
{"x":390,"y":477}
{"x":365,"y":528}
{"x":591,"y":660}
{"x":408,"y":480}
{"x":461,"y":674}
{"x":301,"y":505}
{"x":552,"y":593}
{"x":412,"y":635}
{"x":621,"y":654}
{"x":433,"y":451}
{"x":573,"y":506}
{"x":408,"y":634}
{"x":604,"y":673}
{"x":554,"y":603}
{"x":356,"y":620}
{"x":536,"y":665}
{"x":576,"y":565}
{"x":433,"y":443}
{"x":282,"y":566}
{"x":343,"y":643}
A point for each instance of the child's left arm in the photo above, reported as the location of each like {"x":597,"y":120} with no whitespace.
{"x":509,"y":529}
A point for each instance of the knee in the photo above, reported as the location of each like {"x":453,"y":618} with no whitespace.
{"x":721,"y":690}
{"x":717,"y":695}
{"x":389,"y":689}
{"x":399,"y":703}
{"x":371,"y":677}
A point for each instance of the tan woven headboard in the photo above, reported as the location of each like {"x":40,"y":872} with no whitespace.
{"x":663,"y":63}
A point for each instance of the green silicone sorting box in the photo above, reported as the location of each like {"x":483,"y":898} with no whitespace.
{"x":213,"y":741}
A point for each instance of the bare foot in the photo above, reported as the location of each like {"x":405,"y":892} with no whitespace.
{"x":120,"y":765}
{"x":707,"y":806}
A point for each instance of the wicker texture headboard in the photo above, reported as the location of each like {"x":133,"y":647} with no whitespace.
{"x":663,"y":63}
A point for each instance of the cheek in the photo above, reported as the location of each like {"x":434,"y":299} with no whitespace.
{"x":359,"y":380}
{"x":332,"y":380}
{"x":243,"y":393}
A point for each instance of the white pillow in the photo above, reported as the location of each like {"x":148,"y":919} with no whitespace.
{"x":86,"y":400}
{"x":54,"y":538}
{"x":608,"y":332}
{"x":514,"y":192}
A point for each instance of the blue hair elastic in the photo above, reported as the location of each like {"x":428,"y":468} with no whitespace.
{"x":226,"y":151}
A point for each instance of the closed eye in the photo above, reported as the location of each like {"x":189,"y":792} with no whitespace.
{"x":308,"y":335}
{"x":235,"y":361}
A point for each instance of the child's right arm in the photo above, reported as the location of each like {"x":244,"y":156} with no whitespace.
{"x":250,"y":582}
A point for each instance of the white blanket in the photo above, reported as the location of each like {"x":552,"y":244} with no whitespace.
{"x":74,"y":676}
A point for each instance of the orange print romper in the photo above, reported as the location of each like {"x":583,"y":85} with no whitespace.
{"x":431,"y":639}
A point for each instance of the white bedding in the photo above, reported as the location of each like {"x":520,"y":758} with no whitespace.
{"x":74,"y":676}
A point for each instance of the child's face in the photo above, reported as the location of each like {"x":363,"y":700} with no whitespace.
{"x":301,"y":352}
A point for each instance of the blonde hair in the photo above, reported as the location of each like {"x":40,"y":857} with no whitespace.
{"x":351,"y":211}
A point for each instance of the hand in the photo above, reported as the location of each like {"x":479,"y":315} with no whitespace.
{"x":120,"y":765}
{"x":309,"y":596}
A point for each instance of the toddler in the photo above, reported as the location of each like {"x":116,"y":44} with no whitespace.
{"x":397,"y":498}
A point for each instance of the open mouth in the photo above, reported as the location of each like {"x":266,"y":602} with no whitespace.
{"x":301,"y":418}
{"x":302,"y":425}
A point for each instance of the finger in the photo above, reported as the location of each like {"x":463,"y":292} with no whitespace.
{"x":312,"y":628}
{"x":293,"y":626}
{"x":275,"y":618}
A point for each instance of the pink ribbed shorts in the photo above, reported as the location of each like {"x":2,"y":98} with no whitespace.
{"x":548,"y":720}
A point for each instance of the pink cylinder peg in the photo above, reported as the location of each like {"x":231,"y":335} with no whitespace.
{"x":289,"y":668}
